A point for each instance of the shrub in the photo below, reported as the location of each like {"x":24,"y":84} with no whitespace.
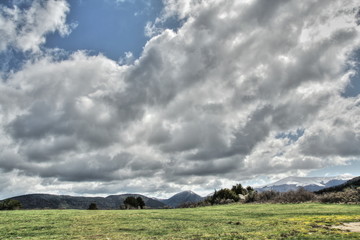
{"x":349,"y":195}
{"x":266,"y":196}
{"x":251,"y":197}
{"x":298,"y":196}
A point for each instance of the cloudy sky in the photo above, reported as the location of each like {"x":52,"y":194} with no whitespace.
{"x":102,"y":97}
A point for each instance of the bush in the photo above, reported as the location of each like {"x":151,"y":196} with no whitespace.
{"x":10,"y":204}
{"x":298,"y":196}
{"x":251,"y":197}
{"x":266,"y":196}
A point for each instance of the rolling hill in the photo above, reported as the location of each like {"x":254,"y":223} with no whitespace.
{"x":47,"y":201}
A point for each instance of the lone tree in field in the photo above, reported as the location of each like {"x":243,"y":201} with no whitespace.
{"x":140,"y":202}
{"x":92,"y":206}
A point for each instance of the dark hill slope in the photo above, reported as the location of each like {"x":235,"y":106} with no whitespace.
{"x":352,"y":183}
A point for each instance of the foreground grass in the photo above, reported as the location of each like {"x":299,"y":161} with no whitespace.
{"x":257,"y":221}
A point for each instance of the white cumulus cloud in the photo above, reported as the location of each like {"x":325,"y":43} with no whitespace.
{"x":241,"y":89}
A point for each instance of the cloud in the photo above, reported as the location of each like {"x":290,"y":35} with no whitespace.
{"x":218,"y":100}
{"x":25,"y":29}
{"x":338,"y":133}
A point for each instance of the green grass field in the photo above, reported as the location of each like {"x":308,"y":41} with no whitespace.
{"x":236,"y":221}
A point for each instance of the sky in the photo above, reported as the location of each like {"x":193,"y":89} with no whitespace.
{"x":103,"y":97}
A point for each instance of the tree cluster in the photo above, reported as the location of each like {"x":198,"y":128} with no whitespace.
{"x":10,"y":204}
{"x":132,"y":202}
{"x":225,"y":195}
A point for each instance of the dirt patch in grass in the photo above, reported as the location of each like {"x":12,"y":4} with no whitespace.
{"x":351,"y":227}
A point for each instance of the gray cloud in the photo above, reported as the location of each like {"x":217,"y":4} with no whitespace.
{"x":202,"y":106}
{"x":42,"y":151}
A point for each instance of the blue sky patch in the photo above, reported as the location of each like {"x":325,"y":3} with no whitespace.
{"x":293,"y":136}
{"x":108,"y":27}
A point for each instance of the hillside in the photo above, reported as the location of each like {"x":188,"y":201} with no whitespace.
{"x":47,"y":201}
{"x":352,"y":183}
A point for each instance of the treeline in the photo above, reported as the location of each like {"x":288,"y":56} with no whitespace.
{"x":237,"y":193}
{"x":349,"y":195}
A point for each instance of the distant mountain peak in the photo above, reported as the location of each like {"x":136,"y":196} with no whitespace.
{"x":183,"y":197}
{"x":185,"y":192}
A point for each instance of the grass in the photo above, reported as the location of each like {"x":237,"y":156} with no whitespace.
{"x":236,"y":221}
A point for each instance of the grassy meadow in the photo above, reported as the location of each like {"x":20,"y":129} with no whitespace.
{"x":235,"y":221}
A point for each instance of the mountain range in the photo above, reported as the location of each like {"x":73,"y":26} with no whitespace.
{"x":311,"y":184}
{"x":48,"y":201}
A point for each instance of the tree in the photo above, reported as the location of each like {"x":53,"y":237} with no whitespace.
{"x":250,"y":189}
{"x":10,"y":204}
{"x":224,"y":195}
{"x":238,"y":189}
{"x":92,"y":206}
{"x":140,"y":202}
{"x":131,"y":202}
